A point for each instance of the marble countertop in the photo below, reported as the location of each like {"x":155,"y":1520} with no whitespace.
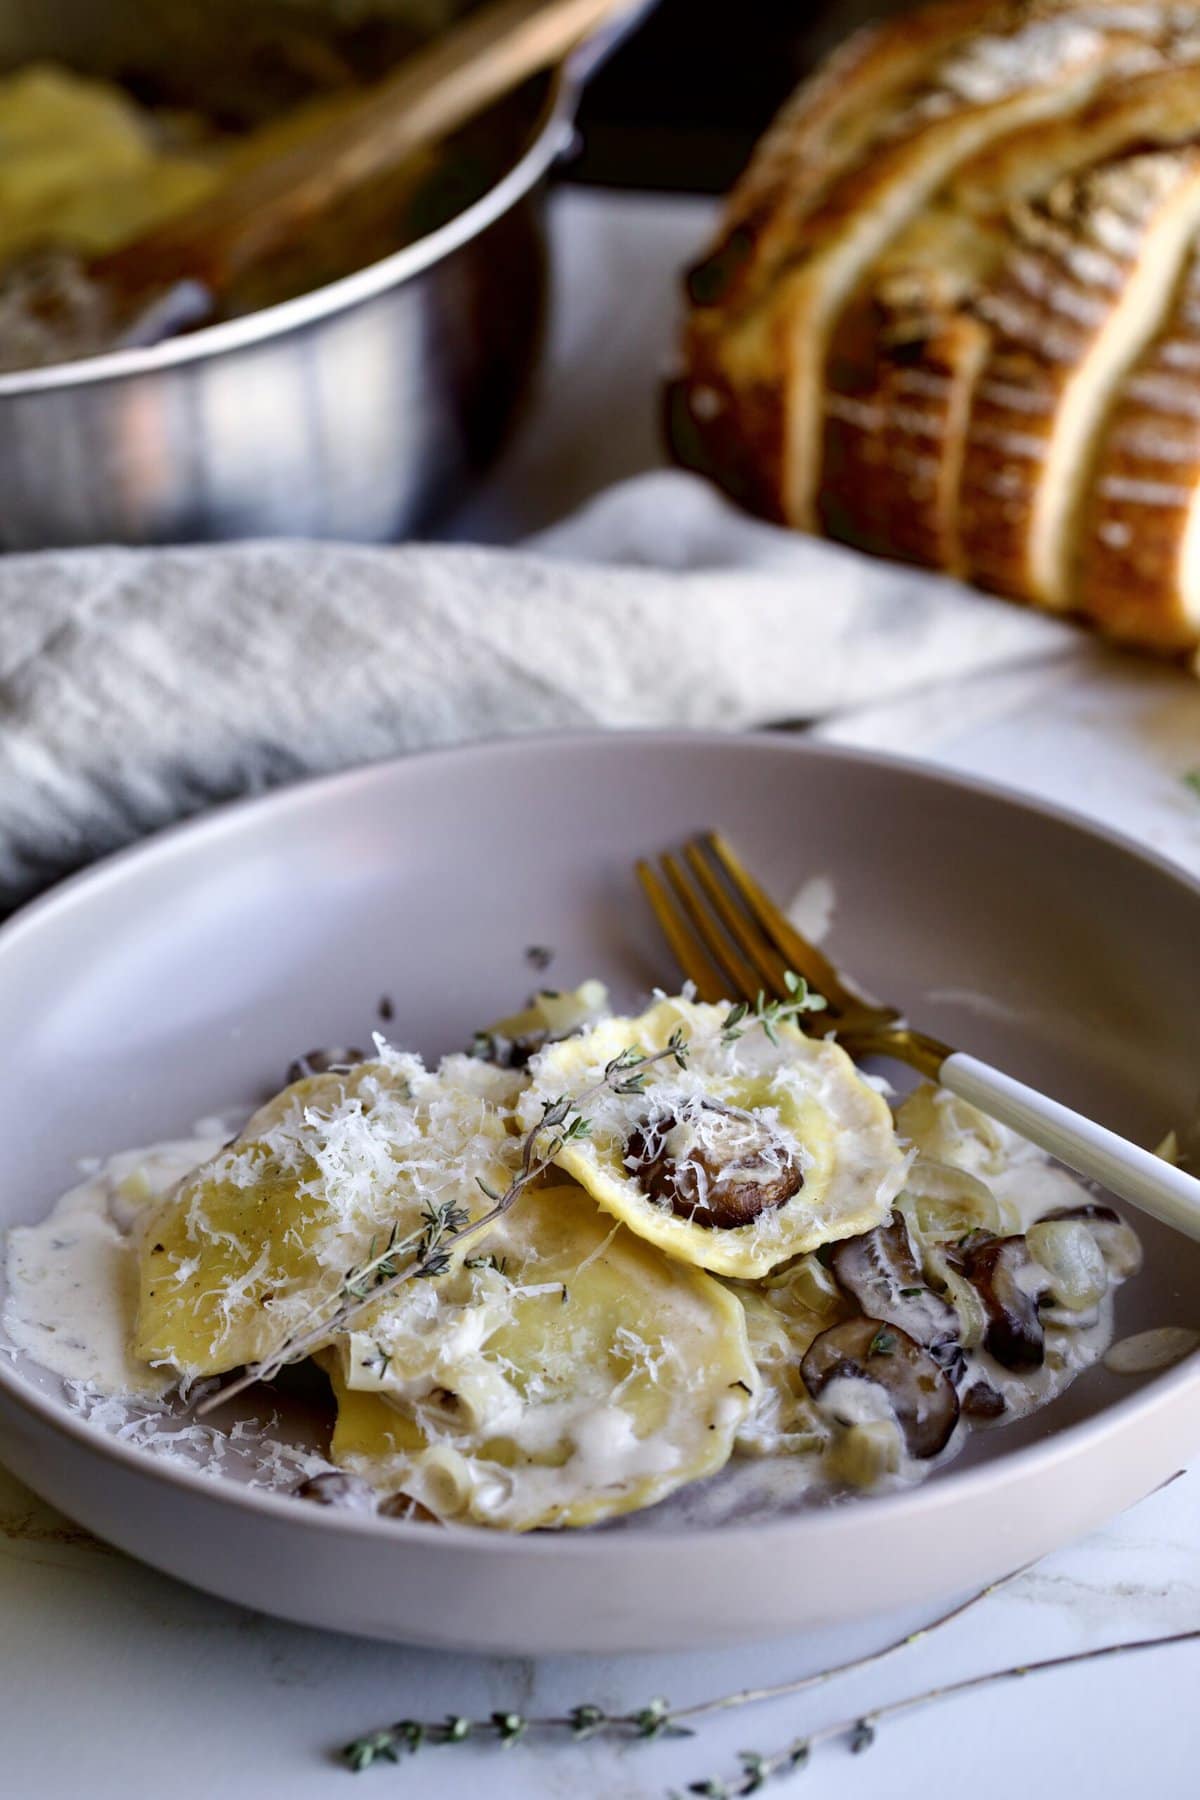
{"x":115,"y":1681}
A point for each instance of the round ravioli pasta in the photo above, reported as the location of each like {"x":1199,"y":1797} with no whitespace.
{"x":761,"y":1148}
{"x":251,"y":1242}
{"x":566,"y":1373}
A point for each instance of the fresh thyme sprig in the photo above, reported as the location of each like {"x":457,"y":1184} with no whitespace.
{"x":656,"y":1719}
{"x":425,"y":1254}
{"x":508,"y":1728}
{"x":770,"y":1013}
{"x":859,"y":1732}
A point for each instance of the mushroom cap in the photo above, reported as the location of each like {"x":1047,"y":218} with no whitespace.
{"x":714,"y":1164}
{"x":1002,"y":1272}
{"x":919,"y":1391}
{"x":336,"y":1487}
{"x":880,"y":1273}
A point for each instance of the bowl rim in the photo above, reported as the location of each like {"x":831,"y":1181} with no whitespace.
{"x":953,"y":1487}
{"x":550,"y":136}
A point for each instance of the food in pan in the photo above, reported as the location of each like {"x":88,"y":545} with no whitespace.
{"x":600,"y":1261}
{"x":88,"y":168}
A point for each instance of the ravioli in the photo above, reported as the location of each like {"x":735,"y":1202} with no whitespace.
{"x":246,"y":1246}
{"x":757,"y":1151}
{"x":565,"y":1372}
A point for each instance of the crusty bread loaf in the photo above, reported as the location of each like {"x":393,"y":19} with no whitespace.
{"x":1139,"y":553}
{"x":936,"y":320}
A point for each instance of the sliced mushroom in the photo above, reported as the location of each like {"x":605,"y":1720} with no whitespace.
{"x":712,"y":1164}
{"x":323,"y":1062}
{"x":1118,"y":1241}
{"x":1005,"y":1277}
{"x":982,"y":1401}
{"x":879,"y":1271}
{"x":335,"y":1488}
{"x":400,"y":1506}
{"x":918,"y":1390}
{"x":550,"y":1017}
{"x":507,"y":1052}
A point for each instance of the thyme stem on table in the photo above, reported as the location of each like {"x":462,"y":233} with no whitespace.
{"x":859,"y":1732}
{"x":657,"y":1719}
{"x":447,"y":1227}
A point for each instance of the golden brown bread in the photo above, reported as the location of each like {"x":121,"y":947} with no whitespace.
{"x":1139,"y":554}
{"x":936,"y":291}
{"x":726,"y":417}
{"x":1086,"y":285}
{"x":910,"y":346}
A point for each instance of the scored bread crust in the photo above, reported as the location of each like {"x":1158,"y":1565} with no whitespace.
{"x":990,"y":71}
{"x":725,"y":413}
{"x":1088,"y":282}
{"x":931,"y":321}
{"x":910,"y":347}
{"x":1139,"y":553}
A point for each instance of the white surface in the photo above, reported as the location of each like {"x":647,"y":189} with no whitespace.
{"x":115,"y":1681}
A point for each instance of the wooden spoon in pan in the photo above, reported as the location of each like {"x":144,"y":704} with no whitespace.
{"x":175,"y":275}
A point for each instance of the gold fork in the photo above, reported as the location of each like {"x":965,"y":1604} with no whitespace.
{"x":734,"y":943}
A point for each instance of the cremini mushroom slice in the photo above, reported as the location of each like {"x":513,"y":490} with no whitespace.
{"x":552,"y":1014}
{"x":334,"y":1488}
{"x":870,"y":1351}
{"x":880,"y":1272}
{"x":1009,"y":1283}
{"x":713,"y":1164}
{"x":981,"y":1401}
{"x":764,"y":1146}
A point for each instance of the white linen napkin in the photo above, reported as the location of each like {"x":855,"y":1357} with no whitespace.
{"x":137,"y":686}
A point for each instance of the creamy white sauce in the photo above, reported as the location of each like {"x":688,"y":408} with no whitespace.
{"x":72,"y":1295}
{"x":72,"y":1281}
{"x":760,"y":1486}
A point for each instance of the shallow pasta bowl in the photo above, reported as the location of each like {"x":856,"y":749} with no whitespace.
{"x":179,"y":979}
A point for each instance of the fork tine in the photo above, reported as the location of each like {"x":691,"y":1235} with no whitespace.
{"x":797,"y":952}
{"x":686,"y":947}
{"x":743,"y":981}
{"x":764,"y":968}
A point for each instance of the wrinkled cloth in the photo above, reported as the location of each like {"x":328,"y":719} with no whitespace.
{"x":139,"y":686}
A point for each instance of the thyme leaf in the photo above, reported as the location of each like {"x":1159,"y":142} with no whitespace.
{"x":425,"y":1254}
{"x":769,"y":1014}
{"x":656,"y":1719}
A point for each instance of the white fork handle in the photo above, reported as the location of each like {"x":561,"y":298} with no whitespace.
{"x":1126,"y":1170}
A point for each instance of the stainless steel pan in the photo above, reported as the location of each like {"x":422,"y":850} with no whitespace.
{"x":355,"y":411}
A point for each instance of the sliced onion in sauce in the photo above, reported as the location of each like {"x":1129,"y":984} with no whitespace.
{"x":1073,"y":1260}
{"x":946,"y":1202}
{"x":1119,"y":1244}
